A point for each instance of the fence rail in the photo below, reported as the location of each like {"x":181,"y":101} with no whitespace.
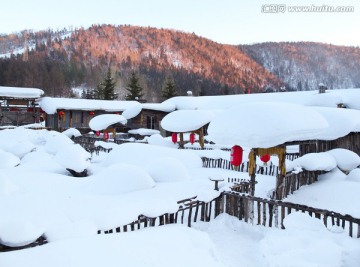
{"x":271,"y":213}
{"x":244,"y":167}
{"x":190,"y":211}
{"x":88,"y":143}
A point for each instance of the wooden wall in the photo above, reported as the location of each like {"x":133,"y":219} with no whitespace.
{"x":350,"y":142}
{"x":149,"y":119}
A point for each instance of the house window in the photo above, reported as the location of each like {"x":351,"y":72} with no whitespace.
{"x":150,"y":122}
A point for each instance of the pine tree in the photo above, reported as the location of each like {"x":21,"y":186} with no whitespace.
{"x":109,"y":87}
{"x":169,"y":90}
{"x":134,"y":89}
{"x":99,"y":92}
{"x":105,"y":89}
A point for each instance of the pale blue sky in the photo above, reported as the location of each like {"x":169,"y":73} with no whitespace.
{"x":225,"y":21}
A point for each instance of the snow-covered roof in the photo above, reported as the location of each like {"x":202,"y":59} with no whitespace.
{"x":51,"y":105}
{"x":165,"y":107}
{"x":349,"y":97}
{"x":181,"y":121}
{"x":20,"y":92}
{"x":143,"y":131}
{"x":101,"y":122}
{"x":266,"y":124}
{"x":341,"y":122}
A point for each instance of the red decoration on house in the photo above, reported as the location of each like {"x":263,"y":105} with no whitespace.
{"x":192,"y":138}
{"x":236,"y":155}
{"x":265,"y":158}
{"x":97,"y":133}
{"x":117,"y":113}
{"x":106,"y":135}
{"x":91,"y":113}
{"x":174,"y":137}
{"x":61,"y":113}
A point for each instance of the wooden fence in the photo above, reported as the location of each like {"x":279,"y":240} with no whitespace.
{"x":293,"y":181}
{"x":88,"y":143}
{"x":244,"y":167}
{"x":190,"y":211}
{"x":266,"y":212}
{"x":271,"y":213}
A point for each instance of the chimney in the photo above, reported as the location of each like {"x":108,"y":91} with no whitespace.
{"x":322,"y":88}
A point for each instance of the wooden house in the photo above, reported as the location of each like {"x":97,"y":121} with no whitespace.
{"x":18,"y":106}
{"x":64,"y":113}
{"x":151,"y":116}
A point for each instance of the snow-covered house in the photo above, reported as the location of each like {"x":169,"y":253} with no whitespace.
{"x":63,"y":113}
{"x":190,"y":122}
{"x":18,"y":106}
{"x":268,"y":128}
{"x":327,"y":103}
{"x":349,"y":98}
{"x":152,"y":115}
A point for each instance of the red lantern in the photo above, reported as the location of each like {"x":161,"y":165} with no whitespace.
{"x":236,"y":155}
{"x":91,"y":113}
{"x":265,"y":158}
{"x":192,"y":138}
{"x":174,"y":137}
{"x":97,"y":133}
{"x":61,"y":113}
{"x":106,"y":135}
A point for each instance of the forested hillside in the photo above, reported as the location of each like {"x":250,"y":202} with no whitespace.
{"x":61,"y":60}
{"x":58,"y":60}
{"x":303,"y":65}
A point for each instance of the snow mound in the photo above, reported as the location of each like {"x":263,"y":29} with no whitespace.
{"x":78,"y":229}
{"x":346,"y":160}
{"x":192,"y":248}
{"x":20,"y":149}
{"x":302,"y":221}
{"x":313,"y":247}
{"x":131,"y":112}
{"x":72,"y":132}
{"x":120,"y":178}
{"x":190,"y":120}
{"x":354,"y":175}
{"x":101,"y":122}
{"x":73,"y":157}
{"x":56,"y":141}
{"x":40,"y":160}
{"x":158,"y":140}
{"x":138,"y":154}
{"x":167,"y":170}
{"x":7,"y":187}
{"x":19,"y":233}
{"x":313,"y":162}
{"x":144,"y":131}
{"x":8,"y":160}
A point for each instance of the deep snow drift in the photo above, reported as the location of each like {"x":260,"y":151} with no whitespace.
{"x":38,"y":197}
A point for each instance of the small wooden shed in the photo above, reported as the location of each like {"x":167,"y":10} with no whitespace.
{"x":18,"y":106}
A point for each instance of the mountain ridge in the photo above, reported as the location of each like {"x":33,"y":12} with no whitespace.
{"x":80,"y":57}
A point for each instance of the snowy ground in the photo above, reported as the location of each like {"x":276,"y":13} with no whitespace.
{"x":38,"y":196}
